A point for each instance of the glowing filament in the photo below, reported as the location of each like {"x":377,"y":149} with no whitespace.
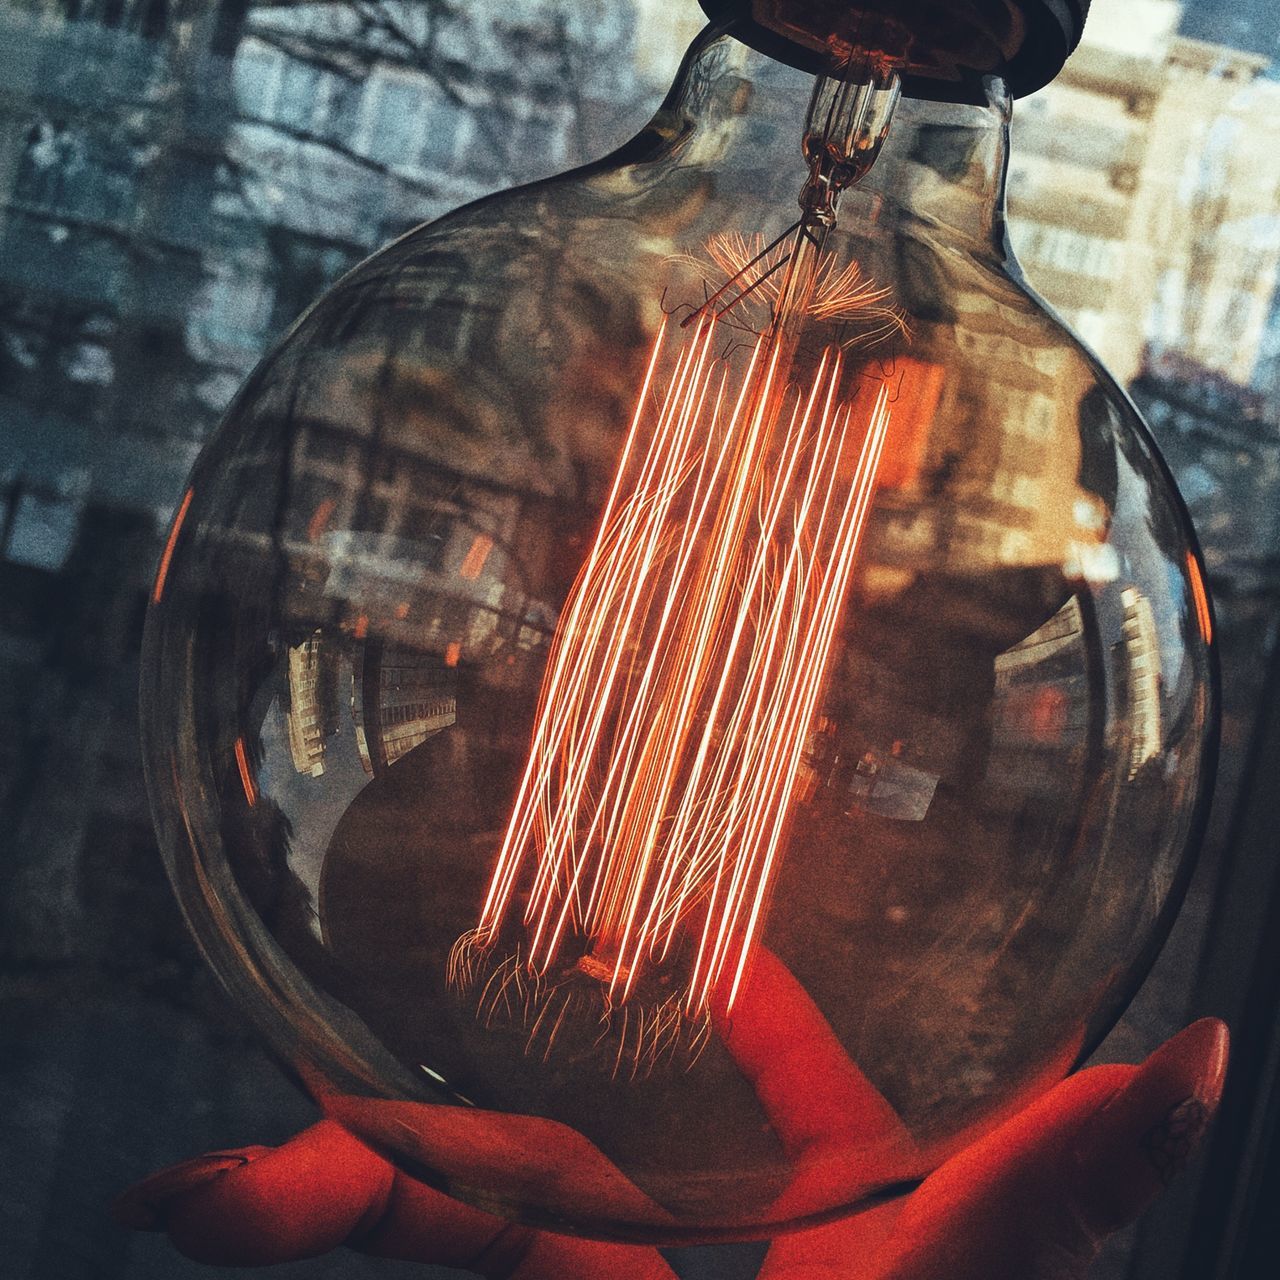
{"x":686,"y":670}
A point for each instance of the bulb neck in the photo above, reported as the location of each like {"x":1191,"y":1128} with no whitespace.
{"x":944,"y":169}
{"x":740,"y":123}
{"x":844,"y":131}
{"x":949,"y":45}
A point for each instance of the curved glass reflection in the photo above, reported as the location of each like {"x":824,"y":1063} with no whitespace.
{"x":614,"y":909}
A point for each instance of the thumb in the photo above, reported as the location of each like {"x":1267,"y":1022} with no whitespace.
{"x":1129,"y":1150}
{"x":1044,"y":1189}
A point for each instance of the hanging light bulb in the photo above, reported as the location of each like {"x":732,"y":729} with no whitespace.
{"x":680,"y":695}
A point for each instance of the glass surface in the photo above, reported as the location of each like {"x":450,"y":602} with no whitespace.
{"x":652,"y":795}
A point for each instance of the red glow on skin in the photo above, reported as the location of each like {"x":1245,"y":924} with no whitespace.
{"x":329,"y":1184}
{"x":1200,"y":598}
{"x":473,"y":562}
{"x":246,"y":774}
{"x":163,"y":572}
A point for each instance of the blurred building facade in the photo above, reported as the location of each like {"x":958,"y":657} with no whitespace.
{"x":1143,"y":193}
{"x":178,"y":180}
{"x":181,"y":178}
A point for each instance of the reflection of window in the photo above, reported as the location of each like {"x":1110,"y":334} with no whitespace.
{"x":978,"y":536}
{"x":299,"y":95}
{"x":42,"y":531}
{"x":448,"y":323}
{"x":327,"y":447}
{"x":429,"y":527}
{"x":313,"y":502}
{"x":1030,"y":416}
{"x":1015,"y":546}
{"x":1016,"y":488}
{"x":255,"y":80}
{"x":395,"y":136}
{"x":378,"y":519}
{"x":440,"y":134}
{"x":1039,"y":417}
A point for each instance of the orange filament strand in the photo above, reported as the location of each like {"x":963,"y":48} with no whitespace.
{"x":688,"y":665}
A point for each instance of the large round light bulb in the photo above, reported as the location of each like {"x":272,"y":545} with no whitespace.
{"x":679,"y":695}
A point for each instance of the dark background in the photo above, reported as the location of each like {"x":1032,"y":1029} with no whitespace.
{"x":178,"y":178}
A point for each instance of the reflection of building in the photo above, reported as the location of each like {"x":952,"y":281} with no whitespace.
{"x":399,"y":700}
{"x":995,"y":487}
{"x":1142,"y":653}
{"x":1042,"y":709}
{"x":439,"y":558}
{"x":305,"y":716}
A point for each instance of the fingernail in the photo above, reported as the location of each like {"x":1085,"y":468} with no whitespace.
{"x":1145,"y":1135}
{"x":142,"y":1206}
{"x":1170,"y":1143}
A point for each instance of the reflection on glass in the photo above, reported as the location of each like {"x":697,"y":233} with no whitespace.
{"x":672,"y":717}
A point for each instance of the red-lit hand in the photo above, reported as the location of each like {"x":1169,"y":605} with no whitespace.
{"x":1036,"y":1196}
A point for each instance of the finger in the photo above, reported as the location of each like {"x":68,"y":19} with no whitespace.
{"x":263,"y":1204}
{"x":142,"y":1206}
{"x":1169,"y":1105}
{"x":504,"y":1159}
{"x":325,"y":1188}
{"x":1048,"y":1185}
{"x":867,"y":1233}
{"x":841,"y":1135}
{"x":805,"y":1081}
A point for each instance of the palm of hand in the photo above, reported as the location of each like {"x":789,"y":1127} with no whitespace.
{"x":1035,"y":1196}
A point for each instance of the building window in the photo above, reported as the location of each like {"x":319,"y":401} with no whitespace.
{"x":299,"y":99}
{"x":255,"y":79}
{"x":399,"y":123}
{"x":343,"y":108}
{"x":1073,"y":252}
{"x":440,"y":132}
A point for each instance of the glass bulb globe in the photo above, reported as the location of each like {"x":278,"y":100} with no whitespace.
{"x":673,"y":710}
